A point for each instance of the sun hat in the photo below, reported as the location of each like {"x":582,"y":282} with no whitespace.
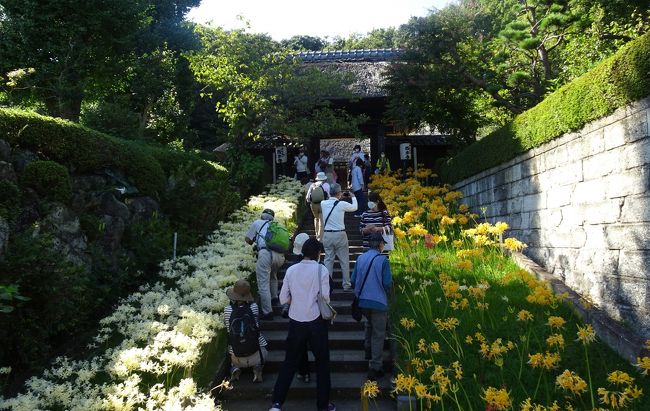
{"x":321,"y":176}
{"x":298,"y":242}
{"x":240,"y":291}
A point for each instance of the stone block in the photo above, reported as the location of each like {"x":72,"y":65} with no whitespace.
{"x":559,"y":196}
{"x":587,"y":192}
{"x":593,"y":143}
{"x":629,"y":236}
{"x":517,"y":188}
{"x":571,"y":216}
{"x":636,"y":209}
{"x":501,"y":193}
{"x":630,"y":182}
{"x":567,"y":174}
{"x":631,"y":291}
{"x":603,"y":212}
{"x":636,"y":154}
{"x":597,"y":260}
{"x":564,"y":238}
{"x":614,"y":135}
{"x":636,"y":126}
{"x":557,"y":157}
{"x":532,"y":237}
{"x":534,"y":202}
{"x":597,"y":237}
{"x":515,"y":205}
{"x":530,"y":185}
{"x":530,"y":167}
{"x":549,"y":218}
{"x":635,"y":264}
{"x":602,"y":164}
{"x":512,"y":173}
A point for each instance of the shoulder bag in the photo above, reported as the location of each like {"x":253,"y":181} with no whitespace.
{"x":355,"y":309}
{"x":326,"y":310}
{"x":389,"y":238}
{"x":330,"y":213}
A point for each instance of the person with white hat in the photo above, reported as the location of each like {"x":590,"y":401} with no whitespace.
{"x":317,"y":192}
{"x":241,"y":320}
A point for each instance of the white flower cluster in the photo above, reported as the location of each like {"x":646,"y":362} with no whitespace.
{"x":149,"y":347}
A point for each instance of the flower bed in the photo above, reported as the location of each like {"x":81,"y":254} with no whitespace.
{"x":479,"y":333}
{"x":158,"y":348}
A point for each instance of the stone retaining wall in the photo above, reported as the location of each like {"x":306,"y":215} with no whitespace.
{"x":582,"y":204}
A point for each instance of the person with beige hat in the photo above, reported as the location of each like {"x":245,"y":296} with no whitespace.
{"x":317,"y":192}
{"x":246,"y":344}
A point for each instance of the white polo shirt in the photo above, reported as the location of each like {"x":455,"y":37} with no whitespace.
{"x":300,"y":288}
{"x":336,"y":220}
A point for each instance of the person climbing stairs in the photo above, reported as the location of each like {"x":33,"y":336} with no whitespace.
{"x":348,"y":360}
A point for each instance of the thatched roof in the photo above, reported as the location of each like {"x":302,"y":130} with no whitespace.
{"x":367,"y":67}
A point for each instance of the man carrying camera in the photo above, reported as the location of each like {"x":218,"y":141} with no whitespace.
{"x":335,"y":239}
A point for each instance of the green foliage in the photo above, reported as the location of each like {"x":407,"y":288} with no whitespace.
{"x":62,"y":42}
{"x":469,"y":61}
{"x":381,"y":38}
{"x":258,"y":91}
{"x":82,"y":149}
{"x":149,"y":242}
{"x":617,"y":81}
{"x":49,"y":179}
{"x":304,"y":43}
{"x":9,"y":200}
{"x":246,"y":171}
{"x":61,"y":297}
{"x":199,"y":197}
{"x":9,"y":293}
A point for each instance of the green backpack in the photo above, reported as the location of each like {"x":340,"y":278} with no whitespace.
{"x":277,"y":237}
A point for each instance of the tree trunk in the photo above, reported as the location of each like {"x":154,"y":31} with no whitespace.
{"x":546,"y":63}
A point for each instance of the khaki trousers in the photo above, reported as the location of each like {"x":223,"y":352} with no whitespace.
{"x":318,"y":215}
{"x":336,"y":246}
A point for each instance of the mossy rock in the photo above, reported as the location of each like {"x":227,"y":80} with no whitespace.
{"x":9,"y":200}
{"x":49,"y":179}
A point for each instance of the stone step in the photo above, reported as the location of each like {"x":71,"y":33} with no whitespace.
{"x":302,"y":404}
{"x":343,"y":322}
{"x":345,"y":385}
{"x":338,"y":340}
{"x":341,"y":306}
{"x":340,"y":360}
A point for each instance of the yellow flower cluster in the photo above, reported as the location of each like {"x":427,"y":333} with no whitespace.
{"x":528,"y":405}
{"x":497,"y":398}
{"x":555,"y":340}
{"x":448,"y":324}
{"x":586,"y":334}
{"x":407,"y":323}
{"x":556,"y":322}
{"x":548,"y":360}
{"x":370,"y":389}
{"x":570,"y":381}
{"x":524,"y":315}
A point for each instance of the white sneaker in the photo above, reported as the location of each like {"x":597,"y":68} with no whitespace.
{"x":234,"y":374}
{"x":275,"y":407}
{"x":257,"y":374}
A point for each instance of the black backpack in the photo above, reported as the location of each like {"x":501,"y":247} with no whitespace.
{"x":243,"y":332}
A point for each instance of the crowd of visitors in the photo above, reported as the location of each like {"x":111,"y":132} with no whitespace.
{"x":308,"y":280}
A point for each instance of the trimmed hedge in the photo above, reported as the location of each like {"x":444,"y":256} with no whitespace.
{"x":82,"y":149}
{"x":50,"y":180}
{"x":619,"y":80}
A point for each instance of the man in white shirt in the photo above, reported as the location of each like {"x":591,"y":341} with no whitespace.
{"x":268,"y":263}
{"x":302,"y":283}
{"x":300,"y":162}
{"x":335,"y":239}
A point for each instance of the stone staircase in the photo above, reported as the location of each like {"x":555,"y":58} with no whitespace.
{"x":347,"y":363}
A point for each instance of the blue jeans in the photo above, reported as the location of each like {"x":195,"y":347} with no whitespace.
{"x":361,"y":200}
{"x":314,"y":333}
